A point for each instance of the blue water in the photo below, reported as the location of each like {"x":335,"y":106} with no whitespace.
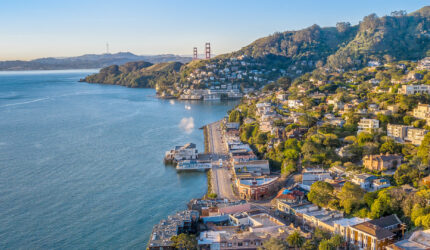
{"x":81,"y":164}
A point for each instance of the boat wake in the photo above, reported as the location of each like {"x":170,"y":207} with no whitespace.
{"x":22,"y":103}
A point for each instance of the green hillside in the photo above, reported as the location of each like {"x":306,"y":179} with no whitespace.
{"x":136,"y":74}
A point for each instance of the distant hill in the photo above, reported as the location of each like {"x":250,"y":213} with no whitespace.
{"x":136,"y":74}
{"x":399,"y":36}
{"x":89,"y":61}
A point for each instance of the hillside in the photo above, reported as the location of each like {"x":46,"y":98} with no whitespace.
{"x":399,"y":36}
{"x":136,"y":74}
{"x":89,"y":61}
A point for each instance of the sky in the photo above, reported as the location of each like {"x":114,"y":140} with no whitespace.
{"x":56,"y":28}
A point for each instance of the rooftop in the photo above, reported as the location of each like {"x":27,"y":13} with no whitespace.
{"x":374,"y":230}
{"x":257,"y":181}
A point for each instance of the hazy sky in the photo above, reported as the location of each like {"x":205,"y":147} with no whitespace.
{"x":42,"y":28}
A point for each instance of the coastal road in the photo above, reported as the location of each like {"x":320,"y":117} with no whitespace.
{"x":221,"y":177}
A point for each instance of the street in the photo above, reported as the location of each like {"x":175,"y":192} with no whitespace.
{"x":221,"y":178}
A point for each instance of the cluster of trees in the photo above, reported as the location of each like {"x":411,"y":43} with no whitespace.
{"x":184,"y":241}
{"x":320,"y":240}
{"x":411,"y":207}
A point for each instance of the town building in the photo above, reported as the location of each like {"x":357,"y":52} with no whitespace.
{"x":376,"y":234}
{"x":287,"y":200}
{"x":364,"y":180}
{"x":314,"y":217}
{"x":382,"y":162}
{"x":415,"y":89}
{"x":398,"y":132}
{"x":419,"y":240}
{"x":424,"y":64}
{"x":251,"y":188}
{"x":341,"y":226}
{"x":416,"y":135}
{"x":312,"y":175}
{"x":422,"y":111}
{"x":181,"y":222}
{"x":294,"y":103}
{"x":368,"y":125}
{"x":255,"y":167}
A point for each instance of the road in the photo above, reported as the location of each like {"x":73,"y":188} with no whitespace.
{"x":221,"y":177}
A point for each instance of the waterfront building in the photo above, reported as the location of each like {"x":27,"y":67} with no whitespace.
{"x":181,"y":222}
{"x":186,"y":152}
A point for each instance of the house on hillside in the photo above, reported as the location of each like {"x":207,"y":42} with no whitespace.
{"x":382,"y":162}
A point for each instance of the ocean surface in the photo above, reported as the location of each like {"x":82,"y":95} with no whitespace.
{"x":81,"y":165}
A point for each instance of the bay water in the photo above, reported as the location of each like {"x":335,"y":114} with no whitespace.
{"x":81,"y":165}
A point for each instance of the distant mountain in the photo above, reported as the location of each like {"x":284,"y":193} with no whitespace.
{"x":89,"y":61}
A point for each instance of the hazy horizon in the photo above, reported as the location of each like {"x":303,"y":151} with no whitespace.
{"x":47,"y":28}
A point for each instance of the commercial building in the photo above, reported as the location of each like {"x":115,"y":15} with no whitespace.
{"x":256,"y":188}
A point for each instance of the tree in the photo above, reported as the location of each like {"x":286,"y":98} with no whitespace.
{"x":406,"y":174}
{"x":424,"y":150}
{"x":295,"y":239}
{"x":321,"y":193}
{"x":391,"y":147}
{"x":337,"y":240}
{"x":274,"y":244}
{"x":350,"y":196}
{"x":343,"y":26}
{"x":364,"y":137}
{"x":235,"y":116}
{"x":184,"y":241}
{"x":326,"y":245}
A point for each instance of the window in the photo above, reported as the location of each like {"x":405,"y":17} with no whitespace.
{"x":229,"y":244}
{"x":240,"y":244}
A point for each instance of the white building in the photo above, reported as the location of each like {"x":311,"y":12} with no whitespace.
{"x":415,"y":89}
{"x":368,"y":125}
{"x":294,"y":103}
